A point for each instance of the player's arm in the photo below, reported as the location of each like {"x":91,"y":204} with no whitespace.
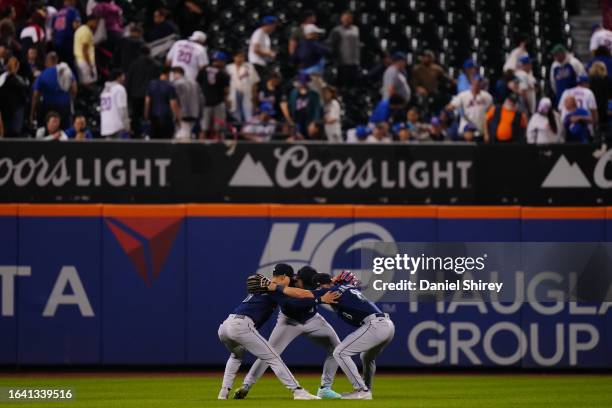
{"x":293,"y":292}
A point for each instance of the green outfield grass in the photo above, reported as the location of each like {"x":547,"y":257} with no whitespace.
{"x":428,"y":391}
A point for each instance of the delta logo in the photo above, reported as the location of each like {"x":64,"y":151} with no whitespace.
{"x":147,"y":241}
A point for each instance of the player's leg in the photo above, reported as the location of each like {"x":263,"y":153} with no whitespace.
{"x":368,"y":357}
{"x":248,"y":336}
{"x":281,"y":336}
{"x":233,"y":362}
{"x":320,"y":331}
{"x":350,"y":346}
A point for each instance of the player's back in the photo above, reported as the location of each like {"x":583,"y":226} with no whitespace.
{"x":352,"y":306}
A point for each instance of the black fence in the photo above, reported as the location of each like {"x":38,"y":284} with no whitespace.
{"x":166,"y":172}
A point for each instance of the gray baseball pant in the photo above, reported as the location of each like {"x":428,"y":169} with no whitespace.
{"x":368,"y":341}
{"x":286,"y":330}
{"x":238,"y":334}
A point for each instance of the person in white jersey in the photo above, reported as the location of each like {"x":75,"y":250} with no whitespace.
{"x":114,"y":118}
{"x":190,"y":54}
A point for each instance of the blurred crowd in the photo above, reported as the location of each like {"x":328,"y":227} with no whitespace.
{"x":74,"y":69}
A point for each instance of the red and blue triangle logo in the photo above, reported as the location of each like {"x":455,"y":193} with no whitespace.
{"x":146,"y":241}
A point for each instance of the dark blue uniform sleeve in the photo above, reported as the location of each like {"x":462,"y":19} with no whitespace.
{"x":320,"y":292}
{"x":282,"y":299}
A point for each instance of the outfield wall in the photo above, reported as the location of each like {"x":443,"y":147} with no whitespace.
{"x":136,"y":284}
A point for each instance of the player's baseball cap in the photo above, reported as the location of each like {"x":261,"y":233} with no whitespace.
{"x":525,"y":59}
{"x":219,"y":56}
{"x":266,"y":107}
{"x":283,"y":269}
{"x":198,"y":36}
{"x":558,"y":48}
{"x":307,"y":275}
{"x":469,"y":63}
{"x":269,"y":20}
{"x":322,"y":279}
{"x":583,"y":78}
{"x":312,"y":29}
{"x":399,"y":56}
{"x":362,"y":131}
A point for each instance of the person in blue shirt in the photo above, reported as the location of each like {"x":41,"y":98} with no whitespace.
{"x":79,"y":130}
{"x":374,"y":329}
{"x":65,"y":23}
{"x":300,"y":317}
{"x":564,"y":71}
{"x":470,"y":69}
{"x":577,"y":122}
{"x":239,"y":333}
{"x":389,"y":110}
{"x":53,"y":91}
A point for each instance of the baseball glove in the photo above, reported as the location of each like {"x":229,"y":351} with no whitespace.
{"x":348,"y":278}
{"x":258,"y":284}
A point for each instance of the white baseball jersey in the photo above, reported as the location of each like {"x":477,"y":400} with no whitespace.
{"x":474,"y":108}
{"x":263,"y":39}
{"x":190,"y":56}
{"x":584,"y":99}
{"x":527,"y":84}
{"x":600,"y":38}
{"x":113,"y":109}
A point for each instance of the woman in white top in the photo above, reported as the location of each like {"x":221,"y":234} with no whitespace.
{"x":243,"y":87}
{"x":332,"y":117}
{"x":545,"y":125}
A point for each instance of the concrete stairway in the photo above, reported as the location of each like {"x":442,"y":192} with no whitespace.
{"x":590,"y":12}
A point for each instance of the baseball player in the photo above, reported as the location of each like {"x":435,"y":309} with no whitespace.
{"x":295,"y":321}
{"x":191,"y":55}
{"x":239,"y":332}
{"x":374,"y":329}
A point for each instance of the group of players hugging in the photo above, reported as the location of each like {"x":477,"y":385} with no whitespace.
{"x":298,"y":296}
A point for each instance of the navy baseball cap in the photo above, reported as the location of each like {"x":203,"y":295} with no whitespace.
{"x":362,"y":131}
{"x":399,"y":56}
{"x":283,"y":269}
{"x":583,"y":78}
{"x":469,"y":63}
{"x":266,"y":107}
{"x":322,"y":279}
{"x":307,"y":275}
{"x":219,"y":56}
{"x":269,"y":20}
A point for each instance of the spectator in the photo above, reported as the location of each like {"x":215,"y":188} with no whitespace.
{"x":418,"y":130}
{"x":143,"y":70}
{"x":564,"y":71}
{"x":53,"y":91}
{"x":600,"y":38}
{"x":332,"y":115}
{"x":358,"y":135}
{"x":472,"y":106}
{"x":576,"y":122}
{"x":112,"y":15}
{"x":162,"y":27}
{"x":33,"y":34}
{"x":584,"y":98}
{"x":346,"y":48}
{"x":215,"y":82}
{"x":191,"y":55}
{"x":310,"y":52}
{"x":52,"y":130}
{"x":375,"y":74}
{"x":389,"y":110}
{"x":65,"y":23}
{"x":545,"y":125}
{"x":243,"y":87}
{"x":506,"y":85}
{"x":272,"y":91}
{"x":191,"y":101}
{"x":470,"y":70}
{"x":513,"y":60}
{"x":128,"y":49}
{"x":526,"y":83}
{"x":427,"y":75}
{"x":400,"y":132}
{"x":297,"y":34}
{"x":260,"y":45}
{"x":13,"y":99}
{"x":505,"y":123}
{"x":114,"y":117}
{"x":85,"y":52}
{"x":8,"y":31}
{"x":304,"y":105}
{"x":602,"y":54}
{"x":437,"y":131}
{"x":79,"y":130}
{"x":380,"y":134}
{"x":262,"y":127}
{"x":30,"y":69}
{"x":394,"y":79}
{"x":161,"y":106}
{"x":600,"y":85}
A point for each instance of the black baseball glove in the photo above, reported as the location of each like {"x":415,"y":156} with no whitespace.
{"x":258,"y":284}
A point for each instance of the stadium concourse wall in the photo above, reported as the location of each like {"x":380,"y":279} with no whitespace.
{"x":149,"y":284}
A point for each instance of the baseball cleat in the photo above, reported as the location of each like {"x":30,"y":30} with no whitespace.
{"x":328,"y":393}
{"x":223,"y":393}
{"x":302,"y":394}
{"x":359,"y":394}
{"x":242,"y":392}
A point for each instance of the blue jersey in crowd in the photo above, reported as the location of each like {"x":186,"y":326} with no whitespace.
{"x":161,"y":93}
{"x":577,"y":132}
{"x":259,"y":307}
{"x":565,"y":77}
{"x":50,"y":89}
{"x":63,"y":26}
{"x":352,"y":306}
